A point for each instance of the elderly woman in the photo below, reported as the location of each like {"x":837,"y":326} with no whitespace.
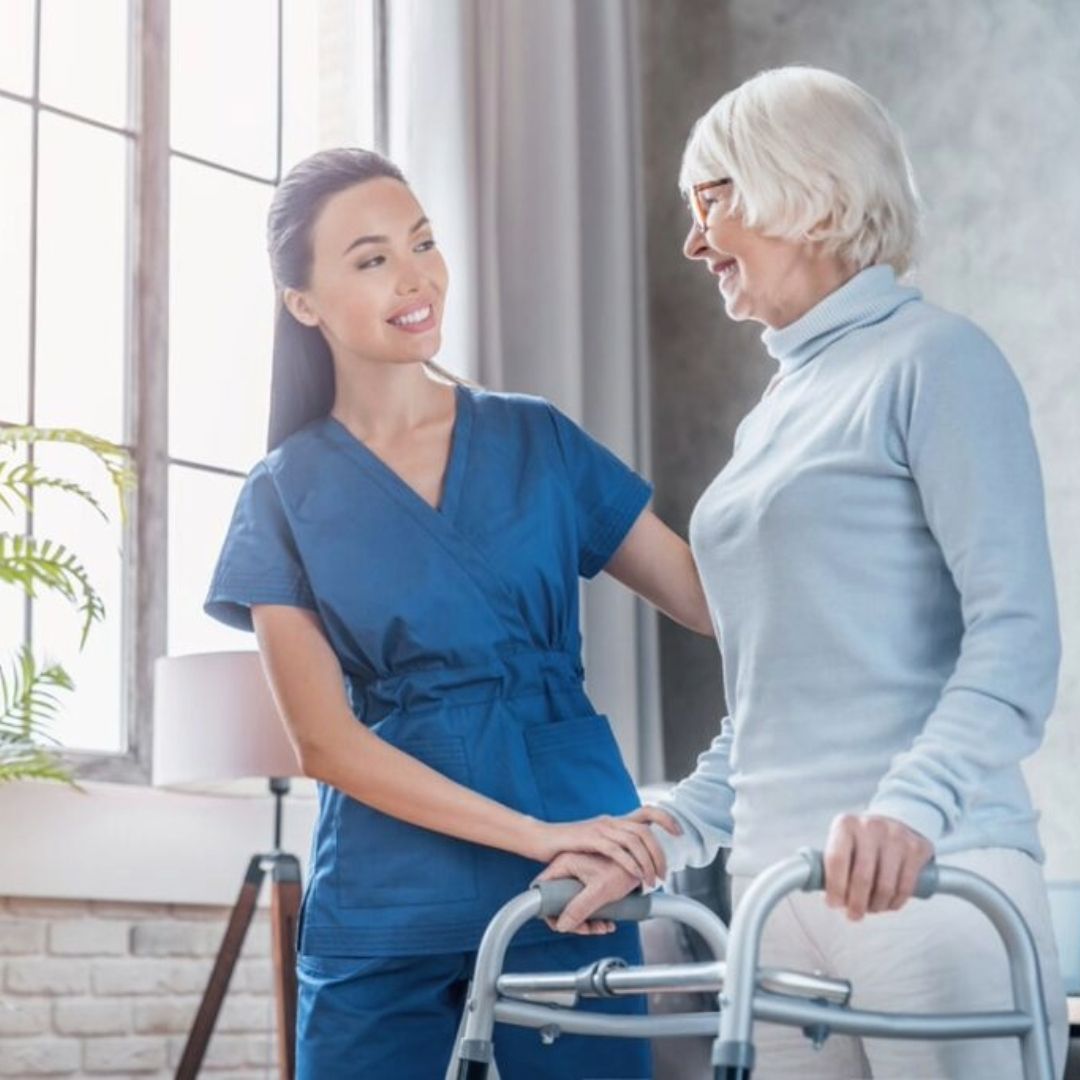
{"x":876,"y":562}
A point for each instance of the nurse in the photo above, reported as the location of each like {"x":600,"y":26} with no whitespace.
{"x":408,"y":555}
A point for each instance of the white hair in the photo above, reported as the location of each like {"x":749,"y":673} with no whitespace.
{"x":812,"y":157}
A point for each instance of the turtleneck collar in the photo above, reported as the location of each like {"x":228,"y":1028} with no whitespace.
{"x":867,"y":298}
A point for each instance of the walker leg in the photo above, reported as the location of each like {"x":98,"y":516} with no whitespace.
{"x":472,"y":1062}
{"x":472,"y":1070}
{"x":732,"y":1060}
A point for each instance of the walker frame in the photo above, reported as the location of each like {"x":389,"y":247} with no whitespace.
{"x":745,"y":991}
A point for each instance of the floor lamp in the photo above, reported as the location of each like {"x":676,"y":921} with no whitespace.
{"x":217,"y":730}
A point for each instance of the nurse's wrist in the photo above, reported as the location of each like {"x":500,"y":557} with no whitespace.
{"x":530,"y":838}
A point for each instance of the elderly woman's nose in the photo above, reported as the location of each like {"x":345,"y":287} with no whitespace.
{"x":695,"y":246}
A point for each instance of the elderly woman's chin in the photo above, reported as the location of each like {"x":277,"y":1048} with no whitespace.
{"x":737,"y":304}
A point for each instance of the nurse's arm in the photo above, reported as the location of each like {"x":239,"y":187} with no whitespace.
{"x":306,"y":680}
{"x":659,"y":566}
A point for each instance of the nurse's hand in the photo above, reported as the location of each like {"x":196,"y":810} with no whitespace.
{"x":631,"y":844}
{"x":872,"y":863}
{"x":604,"y":881}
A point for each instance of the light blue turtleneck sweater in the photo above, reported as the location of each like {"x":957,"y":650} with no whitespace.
{"x":876,"y":562}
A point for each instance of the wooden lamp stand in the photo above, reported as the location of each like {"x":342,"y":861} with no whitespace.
{"x":285,"y":892}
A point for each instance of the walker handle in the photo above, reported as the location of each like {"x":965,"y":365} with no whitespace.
{"x":556,"y":894}
{"x":925,"y":884}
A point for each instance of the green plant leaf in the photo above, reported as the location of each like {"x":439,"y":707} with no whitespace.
{"x":33,"y":764}
{"x":23,"y":477}
{"x":29,"y":698}
{"x":28,"y":561}
{"x":115,"y":459}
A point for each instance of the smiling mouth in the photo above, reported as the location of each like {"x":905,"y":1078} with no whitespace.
{"x":725,"y":270}
{"x":412,"y":318}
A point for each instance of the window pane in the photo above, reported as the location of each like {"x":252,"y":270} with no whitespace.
{"x":200,"y":508}
{"x":221,"y":307}
{"x":12,"y":629}
{"x":84,"y":57}
{"x":90,"y":717}
{"x":224,"y":82}
{"x":300,"y":91}
{"x":17,"y":46}
{"x":328,"y":87}
{"x":82,"y":248}
{"x":14,"y":260}
{"x":12,"y":598}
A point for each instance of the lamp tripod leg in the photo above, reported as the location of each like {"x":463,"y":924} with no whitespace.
{"x":218,"y":983}
{"x":284,"y":912}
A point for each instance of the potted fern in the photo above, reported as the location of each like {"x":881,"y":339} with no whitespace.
{"x":29,"y":692}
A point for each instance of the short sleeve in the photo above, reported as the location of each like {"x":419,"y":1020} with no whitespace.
{"x":258,"y":562}
{"x":608,"y":496}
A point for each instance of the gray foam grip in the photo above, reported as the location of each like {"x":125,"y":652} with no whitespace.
{"x":925,"y":884}
{"x":555,"y":895}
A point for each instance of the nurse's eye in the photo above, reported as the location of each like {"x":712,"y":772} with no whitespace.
{"x":378,"y":260}
{"x":425,"y":245}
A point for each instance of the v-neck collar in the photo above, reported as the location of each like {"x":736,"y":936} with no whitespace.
{"x":453,"y":476}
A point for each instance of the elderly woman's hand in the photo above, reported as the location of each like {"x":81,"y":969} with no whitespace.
{"x":872,"y":863}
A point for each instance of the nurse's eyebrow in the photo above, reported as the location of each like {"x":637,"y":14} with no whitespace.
{"x":382,"y":239}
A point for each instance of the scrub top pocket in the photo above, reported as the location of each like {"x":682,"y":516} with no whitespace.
{"x":578,"y":769}
{"x":384,"y":861}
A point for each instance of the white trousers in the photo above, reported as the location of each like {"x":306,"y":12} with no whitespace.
{"x":937,"y":955}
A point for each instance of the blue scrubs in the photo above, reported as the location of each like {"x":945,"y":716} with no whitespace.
{"x":457,"y":630}
{"x":414,"y":1040}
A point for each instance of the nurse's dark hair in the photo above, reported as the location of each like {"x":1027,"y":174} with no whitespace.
{"x":302,"y":382}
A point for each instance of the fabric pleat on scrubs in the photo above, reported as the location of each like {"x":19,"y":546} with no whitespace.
{"x":457,"y":630}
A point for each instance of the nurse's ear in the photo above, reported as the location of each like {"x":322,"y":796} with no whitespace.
{"x":299,"y":308}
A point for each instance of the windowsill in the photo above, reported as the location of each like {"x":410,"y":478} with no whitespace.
{"x":136,"y":843}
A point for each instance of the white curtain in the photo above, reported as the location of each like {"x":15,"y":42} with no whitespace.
{"x":516,"y":123}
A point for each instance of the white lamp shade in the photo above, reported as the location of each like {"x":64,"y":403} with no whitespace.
{"x":216,"y":723}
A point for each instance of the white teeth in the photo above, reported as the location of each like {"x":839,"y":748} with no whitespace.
{"x":415,"y":317}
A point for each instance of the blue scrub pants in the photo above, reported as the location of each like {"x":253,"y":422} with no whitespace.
{"x":397,"y":1016}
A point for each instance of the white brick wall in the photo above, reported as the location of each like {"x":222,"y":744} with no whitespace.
{"x":94,"y":989}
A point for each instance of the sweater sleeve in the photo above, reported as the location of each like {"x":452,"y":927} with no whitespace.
{"x":701,"y":803}
{"x":972,"y":456}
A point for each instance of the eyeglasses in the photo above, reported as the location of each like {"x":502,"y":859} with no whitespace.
{"x":699,"y":206}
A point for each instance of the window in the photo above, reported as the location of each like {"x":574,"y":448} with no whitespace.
{"x":142,"y":146}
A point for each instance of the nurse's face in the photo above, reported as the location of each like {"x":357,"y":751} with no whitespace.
{"x":378,"y":282}
{"x":760,"y":277}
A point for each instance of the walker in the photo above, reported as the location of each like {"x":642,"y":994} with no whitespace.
{"x":745,"y":991}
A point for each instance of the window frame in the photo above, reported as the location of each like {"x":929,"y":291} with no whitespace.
{"x":144,"y":579}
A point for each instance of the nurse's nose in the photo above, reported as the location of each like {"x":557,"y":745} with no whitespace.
{"x":410,"y":280}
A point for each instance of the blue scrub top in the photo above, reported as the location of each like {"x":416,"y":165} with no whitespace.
{"x":457,"y":630}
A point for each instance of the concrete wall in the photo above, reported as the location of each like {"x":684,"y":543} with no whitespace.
{"x":987,"y":93}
